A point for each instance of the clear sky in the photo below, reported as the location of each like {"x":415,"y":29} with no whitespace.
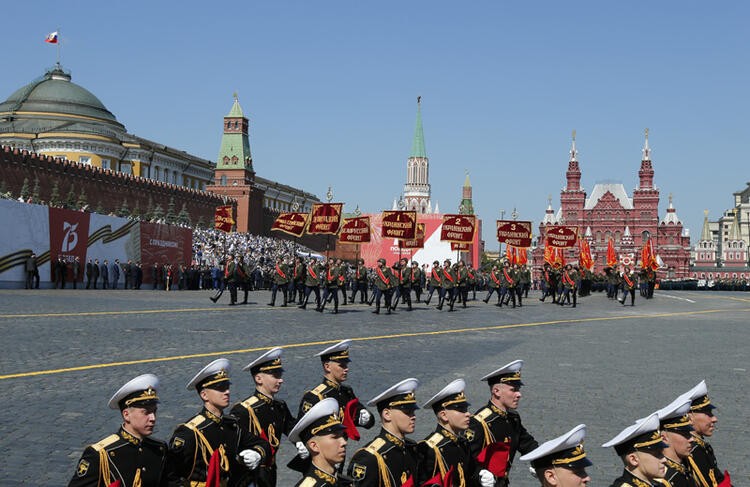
{"x":330,"y":88}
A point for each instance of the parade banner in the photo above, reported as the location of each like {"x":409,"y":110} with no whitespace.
{"x":325,"y":218}
{"x":562,"y":237}
{"x":515,"y":233}
{"x":223,"y":218}
{"x":291,"y":223}
{"x":584,"y":257}
{"x":68,"y":236}
{"x":399,"y":224}
{"x":355,"y":230}
{"x":417,"y":242}
{"x":611,"y":255}
{"x":460,"y":246}
{"x":648,"y":257}
{"x":165,"y":244}
{"x":458,"y":228}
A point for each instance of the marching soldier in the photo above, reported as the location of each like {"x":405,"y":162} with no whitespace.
{"x":313,"y":280}
{"x":210,"y":442}
{"x":243,"y":277}
{"x":384,"y":283}
{"x":472,"y":281}
{"x":129,"y":456}
{"x":335,"y":360}
{"x":629,"y":283}
{"x":322,"y":434}
{"x":416,"y":280}
{"x":641,"y":450}
{"x":436,"y":283}
{"x":280,"y":281}
{"x":706,"y":472}
{"x":499,"y":423}
{"x":569,"y":282}
{"x":230,"y":276}
{"x":261,"y":414}
{"x":519,"y":285}
{"x":343,"y":270}
{"x":493,"y":285}
{"x":677,"y":435}
{"x":549,"y":279}
{"x":390,"y":459}
{"x":360,"y":282}
{"x":524,"y":279}
{"x":561,"y":462}
{"x":404,"y":284}
{"x":448,"y":277}
{"x":331,"y":289}
{"x":507,"y":285}
{"x":445,"y":455}
{"x":297,"y":283}
{"x":462,"y":275}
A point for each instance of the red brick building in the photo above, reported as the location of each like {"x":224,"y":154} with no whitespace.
{"x":610,"y":213}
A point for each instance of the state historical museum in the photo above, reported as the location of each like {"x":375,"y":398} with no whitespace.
{"x":610,"y":213}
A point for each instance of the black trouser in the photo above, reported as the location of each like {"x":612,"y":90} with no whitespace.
{"x":462,"y":294}
{"x":330,"y":293}
{"x":625,"y":296}
{"x":388,"y":294}
{"x":308,"y":290}
{"x":508,"y":294}
{"x":450,"y":294}
{"x":417,"y":291}
{"x":431,"y":290}
{"x":519,"y":294}
{"x":232,"y":292}
{"x":29,"y":279}
{"x":489,"y":294}
{"x":361,"y":287}
{"x":567,"y":293}
{"x":274,"y":289}
{"x":404,"y":292}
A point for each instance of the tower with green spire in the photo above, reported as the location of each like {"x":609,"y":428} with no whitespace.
{"x":234,"y":158}
{"x":416,"y":195}
{"x":466,"y":207}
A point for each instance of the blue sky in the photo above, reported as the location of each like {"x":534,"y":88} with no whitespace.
{"x":330,"y":89}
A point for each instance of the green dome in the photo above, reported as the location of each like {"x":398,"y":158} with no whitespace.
{"x":54,"y":93}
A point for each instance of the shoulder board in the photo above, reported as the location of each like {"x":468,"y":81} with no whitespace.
{"x":101,"y":445}
{"x":196,"y":421}
{"x":434,"y":439}
{"x":307,"y":482}
{"x":483,"y":414}
{"x":375,"y":445}
{"x":318,"y":391}
{"x":250,"y":402}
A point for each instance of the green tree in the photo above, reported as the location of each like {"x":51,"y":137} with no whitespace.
{"x":25,"y":192}
{"x":149,"y":214}
{"x":201,"y":223}
{"x":36,"y":197}
{"x":54,"y":197}
{"x":171,"y":216}
{"x":70,"y":202}
{"x":184,"y":217}
{"x":136,"y":213}
{"x":158,"y":213}
{"x":82,"y":201}
{"x":124,"y":211}
{"x":3,"y":187}
{"x":99,"y":208}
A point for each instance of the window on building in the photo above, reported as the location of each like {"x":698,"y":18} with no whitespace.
{"x":126,"y":167}
{"x":84,"y":160}
{"x":106,"y":164}
{"x":223,"y":179}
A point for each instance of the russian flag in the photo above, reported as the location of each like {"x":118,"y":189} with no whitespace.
{"x":51,"y":38}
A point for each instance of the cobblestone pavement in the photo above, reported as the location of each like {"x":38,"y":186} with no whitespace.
{"x":65,"y":353}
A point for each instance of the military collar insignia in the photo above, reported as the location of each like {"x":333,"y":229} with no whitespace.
{"x":263,"y":397}
{"x":676,"y":465}
{"x":331,"y":383}
{"x":324,"y":476}
{"x":448,"y":434}
{"x":129,"y":438}
{"x":211,"y":416}
{"x":698,"y":440}
{"x":395,"y":440}
{"x":498,"y":411}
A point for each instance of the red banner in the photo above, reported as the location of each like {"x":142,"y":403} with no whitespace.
{"x":165,"y":244}
{"x":325,"y":218}
{"x":515,"y":233}
{"x":562,"y":237}
{"x":584,"y":257}
{"x":291,"y":223}
{"x":458,"y":228}
{"x":460,"y":246}
{"x":417,"y":242}
{"x":223,"y":218}
{"x":611,"y":255}
{"x":355,"y":230}
{"x":68,"y":237}
{"x":399,"y":224}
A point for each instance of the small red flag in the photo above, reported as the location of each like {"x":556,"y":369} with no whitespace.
{"x":494,"y":457}
{"x":349,"y":411}
{"x":213,"y":473}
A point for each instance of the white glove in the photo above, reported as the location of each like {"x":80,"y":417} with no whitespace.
{"x":486,"y":479}
{"x":250,"y":458}
{"x":302,"y":450}
{"x":532,"y":471}
{"x":364,"y":417}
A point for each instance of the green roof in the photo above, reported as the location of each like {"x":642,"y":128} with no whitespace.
{"x":417,"y":147}
{"x":236,"y":110}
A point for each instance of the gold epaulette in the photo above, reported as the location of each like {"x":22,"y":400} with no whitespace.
{"x":375,"y":446}
{"x":664,"y":482}
{"x":483,"y":414}
{"x":307,"y":482}
{"x":434,"y":439}
{"x":101,"y":445}
{"x":318,"y":391}
{"x":250,"y":402}
{"x":196,"y":421}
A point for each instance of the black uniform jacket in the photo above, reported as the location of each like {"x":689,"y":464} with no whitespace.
{"x":386,"y":460}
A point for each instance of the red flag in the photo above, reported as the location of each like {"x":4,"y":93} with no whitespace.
{"x":349,"y":411}
{"x":549,"y":255}
{"x":727,"y":482}
{"x":213,"y":472}
{"x":409,"y":482}
{"x":560,"y":257}
{"x":265,"y":437}
{"x":494,"y":457}
{"x":116,"y":483}
{"x":584,"y":257}
{"x":611,"y":255}
{"x":510,"y":254}
{"x":441,"y":480}
{"x":522,"y":257}
{"x":223,"y":219}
